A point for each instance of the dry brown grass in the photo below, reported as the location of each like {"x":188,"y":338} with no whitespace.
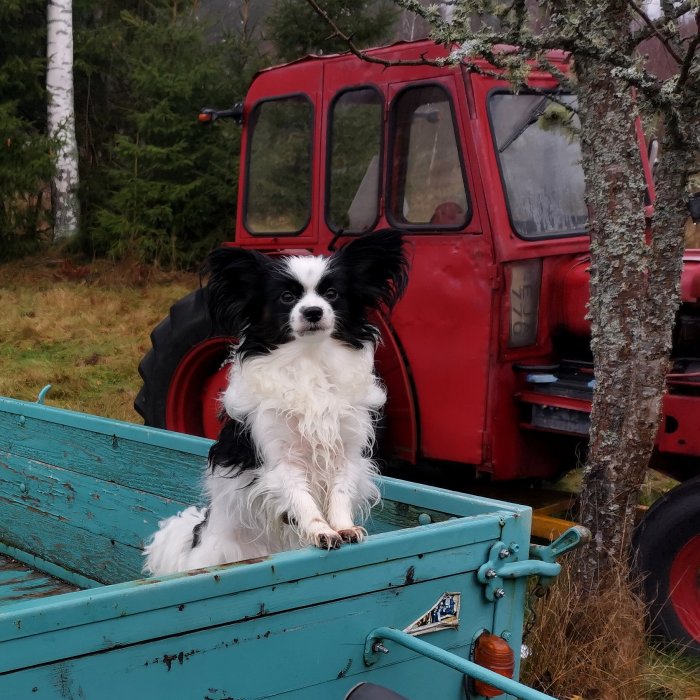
{"x":596,"y":647}
{"x":81,"y":328}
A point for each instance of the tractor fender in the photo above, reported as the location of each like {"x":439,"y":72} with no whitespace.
{"x":400,"y":411}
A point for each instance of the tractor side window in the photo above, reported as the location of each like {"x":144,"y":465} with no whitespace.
{"x":278,"y":195}
{"x":539,"y":154}
{"x":353,"y":160}
{"x":428,"y":186}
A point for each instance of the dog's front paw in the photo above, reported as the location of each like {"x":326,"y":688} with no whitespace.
{"x":327,"y":540}
{"x":356,"y":533}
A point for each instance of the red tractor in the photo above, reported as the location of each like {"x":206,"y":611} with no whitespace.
{"x":487,"y":359}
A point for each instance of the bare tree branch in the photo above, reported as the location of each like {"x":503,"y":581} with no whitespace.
{"x":690,"y":54}
{"x":497,"y":60}
{"x":655,"y":32}
{"x":659,"y":23}
{"x":337,"y":32}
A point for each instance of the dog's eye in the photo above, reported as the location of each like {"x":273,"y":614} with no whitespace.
{"x":331,"y":294}
{"x":287,"y":298}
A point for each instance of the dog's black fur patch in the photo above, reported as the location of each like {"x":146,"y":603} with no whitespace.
{"x":197,"y":529}
{"x":245,"y":289}
{"x":234,"y":451}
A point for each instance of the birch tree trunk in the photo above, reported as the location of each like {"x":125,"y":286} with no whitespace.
{"x":61,"y":117}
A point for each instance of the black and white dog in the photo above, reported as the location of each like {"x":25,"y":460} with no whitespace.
{"x":291,"y":467}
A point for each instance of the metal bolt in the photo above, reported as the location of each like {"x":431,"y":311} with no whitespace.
{"x":22,"y":420}
{"x":424,"y":519}
{"x":499,"y":593}
{"x":490,"y":573}
{"x":504,"y":553}
{"x":506,"y":635}
{"x":378,"y":647}
{"x":23,"y":488}
{"x":514,"y":547}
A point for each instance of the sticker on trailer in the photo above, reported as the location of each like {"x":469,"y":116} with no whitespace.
{"x":443,"y":615}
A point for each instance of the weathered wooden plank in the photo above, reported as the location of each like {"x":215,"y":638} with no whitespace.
{"x":69,"y":500}
{"x":125,"y":515}
{"x":129,"y":515}
{"x":50,"y":568}
{"x":91,"y":555}
{"x":128,"y":613}
{"x":304,"y":647}
{"x":395,"y":515}
{"x":446,"y":501}
{"x":56,"y":512}
{"x":21,"y":582}
{"x":168,"y":464}
{"x":105,"y":426}
{"x":130,"y":461}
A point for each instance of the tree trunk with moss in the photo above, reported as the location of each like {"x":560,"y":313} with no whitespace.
{"x":635,"y":279}
{"x":630,"y":343}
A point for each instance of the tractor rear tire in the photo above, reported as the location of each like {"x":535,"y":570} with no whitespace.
{"x":184,"y":360}
{"x":667,"y":548}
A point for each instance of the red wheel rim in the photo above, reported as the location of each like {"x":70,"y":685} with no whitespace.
{"x":685,"y":586}
{"x":192,"y":405}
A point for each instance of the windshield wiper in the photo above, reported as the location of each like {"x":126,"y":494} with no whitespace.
{"x":530,"y":118}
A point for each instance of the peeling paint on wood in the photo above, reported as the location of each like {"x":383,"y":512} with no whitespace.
{"x":19,"y":582}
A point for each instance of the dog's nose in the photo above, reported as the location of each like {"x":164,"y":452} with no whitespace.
{"x":312,"y":314}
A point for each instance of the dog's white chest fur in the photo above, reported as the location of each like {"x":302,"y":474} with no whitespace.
{"x":306,"y":401}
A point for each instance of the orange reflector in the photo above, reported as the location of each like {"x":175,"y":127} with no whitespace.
{"x":494,"y":653}
{"x":205,"y":117}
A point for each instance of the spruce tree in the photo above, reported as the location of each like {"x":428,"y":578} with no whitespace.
{"x":25,"y":162}
{"x":162,"y":187}
{"x":296,"y":30}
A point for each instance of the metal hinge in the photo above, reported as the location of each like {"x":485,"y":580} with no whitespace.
{"x":498,"y":567}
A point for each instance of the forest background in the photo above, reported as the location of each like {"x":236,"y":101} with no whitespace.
{"x":156,"y":187}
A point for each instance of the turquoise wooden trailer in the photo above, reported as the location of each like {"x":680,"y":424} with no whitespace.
{"x":78,"y":496}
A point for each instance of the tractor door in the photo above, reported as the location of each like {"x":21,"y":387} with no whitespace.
{"x":444,"y":324}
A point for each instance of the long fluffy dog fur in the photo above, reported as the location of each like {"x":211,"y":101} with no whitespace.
{"x":291,"y":466}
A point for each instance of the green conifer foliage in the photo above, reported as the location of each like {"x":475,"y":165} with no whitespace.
{"x":25,"y":161}
{"x":296,"y":30}
{"x":160,"y":187}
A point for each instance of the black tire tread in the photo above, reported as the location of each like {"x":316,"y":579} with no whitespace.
{"x":668,"y":524}
{"x":187,"y":324}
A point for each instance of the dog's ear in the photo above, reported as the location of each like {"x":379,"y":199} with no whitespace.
{"x":236,"y":288}
{"x":378,"y":267}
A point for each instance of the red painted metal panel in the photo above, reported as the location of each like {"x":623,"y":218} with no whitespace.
{"x":680,"y":433}
{"x":444,"y":325}
{"x":400,"y":409}
{"x":298,"y":78}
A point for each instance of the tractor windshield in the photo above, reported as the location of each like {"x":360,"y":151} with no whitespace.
{"x":539,"y":156}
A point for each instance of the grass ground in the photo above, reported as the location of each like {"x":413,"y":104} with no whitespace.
{"x":84,"y":329}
